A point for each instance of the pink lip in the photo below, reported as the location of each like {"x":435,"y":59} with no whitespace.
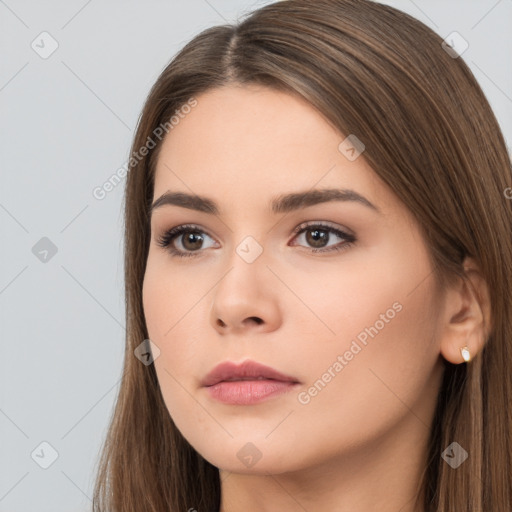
{"x":248,"y":370}
{"x":247,"y":383}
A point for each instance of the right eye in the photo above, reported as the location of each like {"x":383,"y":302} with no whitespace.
{"x":189,"y":236}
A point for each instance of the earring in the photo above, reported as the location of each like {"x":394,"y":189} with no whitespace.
{"x":465,"y":354}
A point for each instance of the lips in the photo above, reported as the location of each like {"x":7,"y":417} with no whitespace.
{"x":248,"y":370}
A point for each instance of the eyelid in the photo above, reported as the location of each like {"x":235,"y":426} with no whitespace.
{"x":176,"y":231}
{"x":324,"y":224}
{"x":346,"y":235}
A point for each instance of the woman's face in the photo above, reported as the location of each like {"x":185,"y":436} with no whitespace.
{"x":352,"y":318}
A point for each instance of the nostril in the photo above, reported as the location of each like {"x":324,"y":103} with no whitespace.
{"x":255,"y":319}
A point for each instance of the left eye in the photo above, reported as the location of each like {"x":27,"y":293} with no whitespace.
{"x":318,"y":235}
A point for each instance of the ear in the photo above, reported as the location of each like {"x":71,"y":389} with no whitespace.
{"x":466,"y":315}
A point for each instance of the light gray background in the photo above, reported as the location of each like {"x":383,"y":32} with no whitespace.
{"x":67,"y":123}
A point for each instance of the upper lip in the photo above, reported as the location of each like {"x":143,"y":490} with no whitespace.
{"x":248,"y":370}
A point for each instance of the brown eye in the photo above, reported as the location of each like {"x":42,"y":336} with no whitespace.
{"x":317,"y":236}
{"x":190,"y":237}
{"x":191,"y":241}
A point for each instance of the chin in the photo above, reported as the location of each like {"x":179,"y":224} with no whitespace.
{"x":247,"y":459}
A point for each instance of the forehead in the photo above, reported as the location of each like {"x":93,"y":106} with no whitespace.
{"x":254,"y":142}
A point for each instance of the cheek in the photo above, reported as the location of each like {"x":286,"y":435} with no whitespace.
{"x":375,"y":306}
{"x":152,"y":295}
{"x":165,"y":299}
{"x":381,"y":356}
{"x":162,"y":311}
{"x":170,"y":305}
{"x":358,"y":391}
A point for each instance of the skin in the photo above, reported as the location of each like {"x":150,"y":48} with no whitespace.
{"x":360,"y":443}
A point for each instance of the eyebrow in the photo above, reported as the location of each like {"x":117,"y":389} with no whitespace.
{"x":280,"y":204}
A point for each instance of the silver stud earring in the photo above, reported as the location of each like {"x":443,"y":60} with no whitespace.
{"x":465,"y":354}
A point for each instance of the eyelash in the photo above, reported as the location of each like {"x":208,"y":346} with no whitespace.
{"x":165,"y":240}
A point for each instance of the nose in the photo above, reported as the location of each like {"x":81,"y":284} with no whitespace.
{"x":246,"y":298}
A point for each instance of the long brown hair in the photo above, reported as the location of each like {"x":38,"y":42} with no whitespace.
{"x":430,"y":134}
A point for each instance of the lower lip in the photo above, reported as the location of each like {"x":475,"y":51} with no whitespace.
{"x":248,"y":392}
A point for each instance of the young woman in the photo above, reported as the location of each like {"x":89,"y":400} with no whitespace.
{"x":318,"y":275}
